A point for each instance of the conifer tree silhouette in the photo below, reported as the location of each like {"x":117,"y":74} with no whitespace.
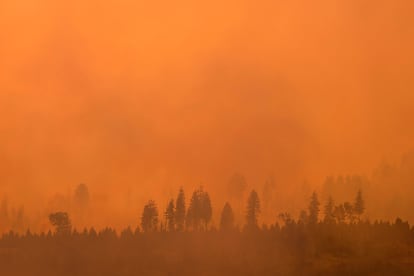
{"x":253,"y":210}
{"x":180,"y":211}
{"x":149,"y":219}
{"x":227,"y":218}
{"x":170,"y":216}
{"x":313,"y":209}
{"x":359,"y":205}
{"x":329,"y":211}
{"x":200,"y":210}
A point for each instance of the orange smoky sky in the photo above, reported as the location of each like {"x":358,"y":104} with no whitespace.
{"x":138,"y":98}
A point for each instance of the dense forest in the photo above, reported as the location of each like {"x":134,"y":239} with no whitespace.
{"x":220,"y":137}
{"x":327,"y":238}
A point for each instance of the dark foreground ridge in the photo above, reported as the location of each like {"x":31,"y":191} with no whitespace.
{"x":296,"y":248}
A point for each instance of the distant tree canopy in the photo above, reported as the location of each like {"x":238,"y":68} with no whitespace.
{"x":170,"y":216}
{"x":341,"y":186}
{"x":253,"y":210}
{"x":180,"y":211}
{"x":359,"y":205}
{"x":313,"y":209}
{"x":149,"y":219}
{"x":303,"y":217}
{"x":199,"y":213}
{"x":286,"y":218}
{"x":344,"y":212}
{"x":237,"y":186}
{"x":61,"y":222}
{"x":227,"y":218}
{"x":81,"y":196}
{"x":329,"y":211}
{"x":200,"y":210}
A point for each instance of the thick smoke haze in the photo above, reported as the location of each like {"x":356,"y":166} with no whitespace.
{"x":138,"y":98}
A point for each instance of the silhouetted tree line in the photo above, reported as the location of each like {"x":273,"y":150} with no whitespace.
{"x":333,"y":240}
{"x":198,"y":215}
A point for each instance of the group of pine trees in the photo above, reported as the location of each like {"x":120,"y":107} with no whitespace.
{"x":198,"y":215}
{"x":345,"y":212}
{"x":342,"y":213}
{"x":177,"y":217}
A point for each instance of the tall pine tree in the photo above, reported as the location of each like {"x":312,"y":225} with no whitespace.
{"x":149,"y":219}
{"x":329,"y":211}
{"x":253,"y":210}
{"x":227,"y":218}
{"x":170,"y":216}
{"x":359,"y":205}
{"x":313,"y":209}
{"x":180,"y":210}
